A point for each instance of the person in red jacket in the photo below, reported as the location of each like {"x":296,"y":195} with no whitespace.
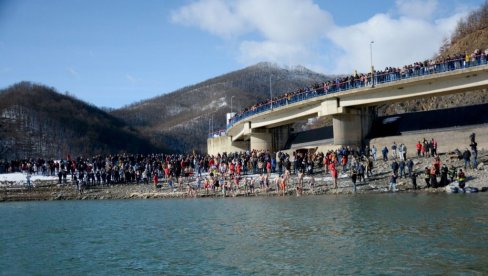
{"x":344,"y":163}
{"x":419,"y":149}
{"x":238,"y":169}
{"x":326,"y":163}
{"x":155,"y":179}
{"x":334,"y":174}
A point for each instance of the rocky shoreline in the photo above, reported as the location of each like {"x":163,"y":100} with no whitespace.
{"x":378,"y":183}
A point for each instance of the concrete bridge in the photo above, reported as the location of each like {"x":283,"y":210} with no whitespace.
{"x":353,"y":110}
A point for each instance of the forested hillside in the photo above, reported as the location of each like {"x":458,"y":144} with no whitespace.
{"x":36,"y":121}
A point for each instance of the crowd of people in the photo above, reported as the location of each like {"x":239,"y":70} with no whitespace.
{"x":358,"y":80}
{"x":437,"y":169}
{"x":246,"y":171}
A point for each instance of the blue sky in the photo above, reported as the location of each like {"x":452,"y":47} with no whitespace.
{"x":114,"y":53}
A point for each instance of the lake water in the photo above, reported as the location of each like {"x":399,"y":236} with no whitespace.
{"x":361,"y":234}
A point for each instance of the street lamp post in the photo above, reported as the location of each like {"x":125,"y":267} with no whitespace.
{"x":371,"y":56}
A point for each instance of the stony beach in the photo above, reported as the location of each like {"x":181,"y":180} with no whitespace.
{"x":49,"y":189}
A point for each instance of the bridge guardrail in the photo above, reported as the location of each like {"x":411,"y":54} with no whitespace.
{"x":378,"y":79}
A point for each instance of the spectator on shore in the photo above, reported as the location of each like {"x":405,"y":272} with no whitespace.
{"x":409,"y":167}
{"x":354,"y":175}
{"x":413,"y":177}
{"x":474,"y":152}
{"x":395,"y":167}
{"x":461,"y":177}
{"x":394,"y":150}
{"x":433,"y":177}
{"x":334,"y":173}
{"x":373,"y":152}
{"x":427,"y":176}
{"x":419,"y":149}
{"x":467,"y":158}
{"x":444,"y":173}
{"x":393,"y":180}
{"x":401,"y":167}
{"x":384,"y":151}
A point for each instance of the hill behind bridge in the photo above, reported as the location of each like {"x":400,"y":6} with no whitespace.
{"x":182,"y":119}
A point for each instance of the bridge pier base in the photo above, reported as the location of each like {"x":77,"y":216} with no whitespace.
{"x":261,"y":140}
{"x":272,"y":139}
{"x":352,"y":126}
{"x":224,"y":144}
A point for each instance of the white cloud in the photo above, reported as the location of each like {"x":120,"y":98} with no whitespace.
{"x":285,"y":29}
{"x":285,"y":21}
{"x":417,"y":8}
{"x":397,"y":42}
{"x":218,"y":17}
{"x":296,"y":32}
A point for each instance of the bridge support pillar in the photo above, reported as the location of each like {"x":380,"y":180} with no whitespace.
{"x":352,"y":126}
{"x":272,"y":139}
{"x":280,"y":137}
{"x":261,"y":140}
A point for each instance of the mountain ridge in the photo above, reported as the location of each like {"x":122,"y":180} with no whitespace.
{"x":202,"y":107}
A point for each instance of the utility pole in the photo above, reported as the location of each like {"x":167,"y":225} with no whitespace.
{"x":371,"y":56}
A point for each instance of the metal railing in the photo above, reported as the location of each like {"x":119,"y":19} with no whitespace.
{"x":366,"y":81}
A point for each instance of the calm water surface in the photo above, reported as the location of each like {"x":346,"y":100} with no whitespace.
{"x":363,"y":234}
